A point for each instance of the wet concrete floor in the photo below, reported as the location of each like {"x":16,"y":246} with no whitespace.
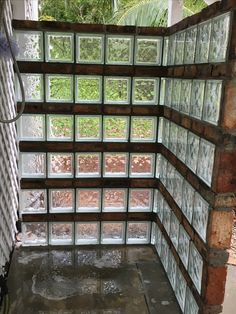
{"x":89,"y":280}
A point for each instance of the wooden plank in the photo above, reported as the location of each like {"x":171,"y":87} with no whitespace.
{"x":90,"y":109}
{"x":91,"y":69}
{"x":89,"y":183}
{"x":86,"y":28}
{"x":89,"y":147}
{"x":86,"y":217}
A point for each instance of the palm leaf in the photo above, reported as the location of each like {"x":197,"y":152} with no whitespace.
{"x":143,"y":13}
{"x":152,"y":12}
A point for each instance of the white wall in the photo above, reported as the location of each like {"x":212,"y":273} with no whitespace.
{"x":8,"y":155}
{"x":25,"y":9}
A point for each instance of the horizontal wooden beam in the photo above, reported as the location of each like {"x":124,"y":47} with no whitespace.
{"x":89,"y":109}
{"x":91,"y":69}
{"x":86,"y":217}
{"x":89,"y":183}
{"x":89,"y":147}
{"x":86,"y":28}
{"x":203,"y":71}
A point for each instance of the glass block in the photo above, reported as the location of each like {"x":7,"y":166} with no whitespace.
{"x":60,"y":165}
{"x":33,"y":165}
{"x":172,"y":47}
{"x":30,"y":45}
{"x":33,"y":87}
{"x":166,"y":133}
{"x":114,"y":200}
{"x":90,"y":48}
{"x":119,"y":49}
{"x":117,"y":90}
{"x":197,"y":97}
{"x":88,"y":128}
{"x":158,"y":165}
{"x":191,"y":306}
{"x":59,"y":88}
{"x":164,"y":253}
{"x":177,"y":188}
{"x":174,"y":230}
{"x":88,"y":89}
{"x":160,"y":130}
{"x":142,"y":165}
{"x":140,"y":200}
{"x":88,"y":200}
{"x":88,"y":164}
{"x":187,"y":201}
{"x":115,"y":128}
{"x":158,"y":204}
{"x":87,"y":233}
{"x":162,"y":91}
{"x":158,"y":240}
{"x":165,"y":51}
{"x":190,"y":45}
{"x":34,"y":233}
{"x":31,"y":127}
{"x":143,"y":129}
{"x":200,"y":215}
{"x":148,"y":50}
{"x":60,"y":128}
{"x":219,"y":37}
{"x":206,"y":161}
{"x":138,"y":232}
{"x":166,"y":216}
{"x":115,"y":165}
{"x":33,"y":201}
{"x":182,"y":143}
{"x":113,"y":232}
{"x":195,"y":267}
{"x":168,"y":92}
{"x":145,"y":91}
{"x":185,"y":95}
{"x":170,"y":178}
{"x":203,"y":42}
{"x":61,"y":233}
{"x":183,"y":246}
{"x":180,"y":288}
{"x":171,"y":270}
{"x":192,"y":151}
{"x":61,"y":200}
{"x":153,"y":234}
{"x":179,"y":50}
{"x":173,"y":137}
{"x":59,"y":47}
{"x":175,"y":98}
{"x":163,"y":171}
{"x":212,"y":100}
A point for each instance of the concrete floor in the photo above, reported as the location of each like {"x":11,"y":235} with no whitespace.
{"x":230,"y":291}
{"x":92,"y":280}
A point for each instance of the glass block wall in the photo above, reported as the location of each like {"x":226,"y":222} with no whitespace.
{"x":125,"y":140}
{"x":91,"y":175}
